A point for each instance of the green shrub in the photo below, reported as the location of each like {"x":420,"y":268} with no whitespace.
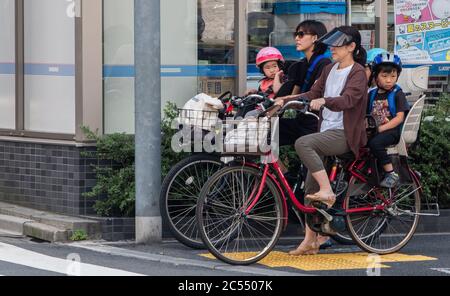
{"x":168,"y":156}
{"x":79,"y":235}
{"x":115,"y":171}
{"x":431,"y":155}
{"x":115,"y":185}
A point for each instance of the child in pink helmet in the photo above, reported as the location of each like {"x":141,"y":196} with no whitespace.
{"x":270,"y":61}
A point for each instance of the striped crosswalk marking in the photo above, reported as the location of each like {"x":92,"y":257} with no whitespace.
{"x":19,"y":256}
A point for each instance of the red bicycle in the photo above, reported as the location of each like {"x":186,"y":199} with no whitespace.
{"x":242,"y":210}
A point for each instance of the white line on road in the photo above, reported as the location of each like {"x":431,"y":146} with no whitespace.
{"x":70,"y":266}
{"x":444,"y":270}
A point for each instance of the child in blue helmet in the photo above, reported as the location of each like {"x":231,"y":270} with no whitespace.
{"x":388,"y":106}
{"x":371,"y":55}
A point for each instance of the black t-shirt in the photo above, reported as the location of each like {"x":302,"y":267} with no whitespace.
{"x":297,"y":75}
{"x":380,"y":108}
{"x":297,"y":72}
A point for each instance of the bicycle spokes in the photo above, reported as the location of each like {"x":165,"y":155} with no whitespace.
{"x":183,"y":195}
{"x":391,"y":223}
{"x":233,"y":234}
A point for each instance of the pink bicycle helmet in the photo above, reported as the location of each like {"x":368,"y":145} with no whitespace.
{"x":268,"y":54}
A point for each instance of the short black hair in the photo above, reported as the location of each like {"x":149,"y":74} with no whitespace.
{"x":386,"y":68}
{"x":316,"y":28}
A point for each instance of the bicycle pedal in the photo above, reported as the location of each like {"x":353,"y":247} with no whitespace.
{"x":327,"y":216}
{"x":319,"y":205}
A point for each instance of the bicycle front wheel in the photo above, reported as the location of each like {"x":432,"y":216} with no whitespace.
{"x":230,"y":234}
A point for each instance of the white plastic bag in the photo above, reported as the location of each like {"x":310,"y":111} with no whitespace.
{"x":201,"y":112}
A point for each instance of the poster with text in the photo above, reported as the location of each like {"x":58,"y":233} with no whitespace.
{"x":422,"y":31}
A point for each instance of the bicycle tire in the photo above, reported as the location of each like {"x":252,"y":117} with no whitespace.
{"x":187,"y":236}
{"x":242,"y":231}
{"x":368,"y":242}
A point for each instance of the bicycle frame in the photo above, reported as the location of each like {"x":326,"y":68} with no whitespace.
{"x":254,"y":196}
{"x":354,"y":170}
{"x":283,"y":185}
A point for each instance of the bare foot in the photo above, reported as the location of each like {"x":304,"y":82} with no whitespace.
{"x":326,"y":197}
{"x":306,"y":249}
{"x":322,"y":239}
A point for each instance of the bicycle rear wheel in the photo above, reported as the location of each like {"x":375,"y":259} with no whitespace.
{"x":228,"y":233}
{"x":383,"y":231}
{"x":179,"y":193}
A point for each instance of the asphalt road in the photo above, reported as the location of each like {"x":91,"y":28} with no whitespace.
{"x":425,"y":255}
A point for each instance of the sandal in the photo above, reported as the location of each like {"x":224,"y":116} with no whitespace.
{"x":328,"y":200}
{"x":312,"y":249}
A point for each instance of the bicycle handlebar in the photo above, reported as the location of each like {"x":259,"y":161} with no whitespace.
{"x":279,"y":111}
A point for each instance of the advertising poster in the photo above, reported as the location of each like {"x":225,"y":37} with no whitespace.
{"x":422,"y":31}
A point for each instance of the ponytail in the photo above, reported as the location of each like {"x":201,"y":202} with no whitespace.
{"x":360,"y":55}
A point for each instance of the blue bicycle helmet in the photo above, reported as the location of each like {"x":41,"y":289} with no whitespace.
{"x":371,"y":54}
{"x":387,"y":59}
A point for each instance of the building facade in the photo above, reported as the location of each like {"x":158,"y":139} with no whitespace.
{"x":70,"y":63}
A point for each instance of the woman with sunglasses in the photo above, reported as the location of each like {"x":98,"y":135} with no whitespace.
{"x":301,"y":77}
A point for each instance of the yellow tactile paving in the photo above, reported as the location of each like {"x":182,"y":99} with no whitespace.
{"x":339,"y":261}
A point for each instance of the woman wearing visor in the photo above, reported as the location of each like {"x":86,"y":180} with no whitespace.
{"x":340,"y":94}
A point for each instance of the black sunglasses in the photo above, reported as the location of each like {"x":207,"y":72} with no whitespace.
{"x":301,"y":34}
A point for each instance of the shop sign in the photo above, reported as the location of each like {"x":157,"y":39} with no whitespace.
{"x":422,"y":31}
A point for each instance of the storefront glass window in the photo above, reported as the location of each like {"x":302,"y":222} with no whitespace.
{"x":49,"y":38}
{"x":201,"y":58}
{"x":197,"y":41}
{"x":118,"y":37}
{"x":272,"y":22}
{"x":7,"y":65}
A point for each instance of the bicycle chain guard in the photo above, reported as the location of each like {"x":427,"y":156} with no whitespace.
{"x":318,"y":223}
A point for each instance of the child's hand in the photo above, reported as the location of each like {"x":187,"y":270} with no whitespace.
{"x":382,"y":128}
{"x":279,"y":75}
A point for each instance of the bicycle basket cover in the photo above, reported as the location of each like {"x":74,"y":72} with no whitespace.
{"x":247,"y":135}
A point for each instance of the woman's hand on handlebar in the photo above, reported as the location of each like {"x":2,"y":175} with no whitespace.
{"x":316,"y":105}
{"x":279,"y":102}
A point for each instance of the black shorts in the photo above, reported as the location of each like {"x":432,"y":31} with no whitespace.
{"x":293,"y":129}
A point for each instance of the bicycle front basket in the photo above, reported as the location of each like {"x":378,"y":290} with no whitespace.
{"x":200,"y":119}
{"x":247,"y":136}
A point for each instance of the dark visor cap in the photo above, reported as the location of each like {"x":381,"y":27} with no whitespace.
{"x":336,"y":38}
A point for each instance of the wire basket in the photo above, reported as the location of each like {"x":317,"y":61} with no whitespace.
{"x":198,"y":119}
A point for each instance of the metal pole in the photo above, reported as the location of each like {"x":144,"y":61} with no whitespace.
{"x":241,"y":45}
{"x":148,"y":120}
{"x":381,"y":24}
